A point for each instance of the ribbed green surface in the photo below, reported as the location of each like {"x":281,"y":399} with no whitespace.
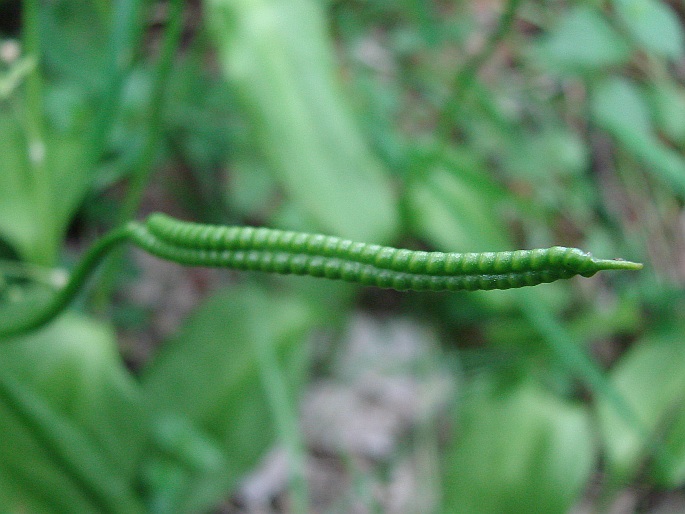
{"x":297,"y":253}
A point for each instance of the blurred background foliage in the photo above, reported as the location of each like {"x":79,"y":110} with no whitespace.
{"x":453,"y":126}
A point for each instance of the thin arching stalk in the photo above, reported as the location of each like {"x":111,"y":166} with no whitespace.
{"x":153,"y":133}
{"x":65,"y":296}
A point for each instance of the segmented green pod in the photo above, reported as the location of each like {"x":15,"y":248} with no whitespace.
{"x":288,"y":252}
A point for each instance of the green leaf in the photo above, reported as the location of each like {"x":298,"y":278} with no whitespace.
{"x":20,"y":217}
{"x":73,"y":45}
{"x":651,"y":378}
{"x":621,"y":109}
{"x":279,"y":58}
{"x":450,"y":203}
{"x":670,"y":472}
{"x":32,"y":479}
{"x":17,"y":204}
{"x":668,"y":104}
{"x":583,"y":41}
{"x":207,"y":378}
{"x":517,"y":449}
{"x":654,"y":25}
{"x":74,"y":366}
{"x":49,"y":462}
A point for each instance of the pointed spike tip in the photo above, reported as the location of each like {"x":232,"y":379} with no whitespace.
{"x":609,"y":264}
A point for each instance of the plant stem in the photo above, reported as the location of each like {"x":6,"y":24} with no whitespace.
{"x":285,"y":417}
{"x":143,"y":170}
{"x":12,"y":325}
{"x":126,"y":30}
{"x":145,"y":162}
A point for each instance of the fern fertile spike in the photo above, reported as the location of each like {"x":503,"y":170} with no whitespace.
{"x":299,"y":253}
{"x":286,"y":252}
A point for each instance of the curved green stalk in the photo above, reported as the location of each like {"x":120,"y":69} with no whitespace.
{"x":64,"y":297}
{"x":287,"y":252}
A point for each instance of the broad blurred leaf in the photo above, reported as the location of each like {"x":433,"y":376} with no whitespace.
{"x":654,"y":25}
{"x":73,"y":44}
{"x":668,"y":103}
{"x":621,"y":109}
{"x":73,"y":364}
{"x":73,"y":429}
{"x":21,"y":223}
{"x":453,"y":204}
{"x":49,"y":463}
{"x":517,"y":449}
{"x":670,"y":473}
{"x":277,"y":55}
{"x":554,"y":151}
{"x":207,"y":379}
{"x":17,"y":204}
{"x":651,"y":378}
{"x":583,"y":41}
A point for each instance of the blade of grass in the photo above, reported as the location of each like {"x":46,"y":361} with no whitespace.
{"x":143,"y":170}
{"x":286,"y":420}
{"x":141,"y":175}
{"x":585,"y":369}
{"x":127,"y":25}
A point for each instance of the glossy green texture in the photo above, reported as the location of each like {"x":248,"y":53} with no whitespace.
{"x":299,"y":253}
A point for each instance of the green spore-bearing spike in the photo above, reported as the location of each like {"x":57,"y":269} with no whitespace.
{"x":287,"y":252}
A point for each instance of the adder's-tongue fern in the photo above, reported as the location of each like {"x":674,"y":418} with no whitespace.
{"x":287,"y":252}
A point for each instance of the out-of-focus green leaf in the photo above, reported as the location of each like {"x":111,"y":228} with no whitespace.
{"x":651,"y":378}
{"x":670,"y":473}
{"x":553,"y":152}
{"x":17,"y":204}
{"x":517,"y":449}
{"x":583,"y":41}
{"x":654,"y":25}
{"x":453,"y":204}
{"x":73,"y":364}
{"x":19,"y":215}
{"x":182,"y":473}
{"x":279,"y":58}
{"x":50,"y":463}
{"x":251,"y":188}
{"x":621,"y":109}
{"x":668,"y":104}
{"x":208,"y":378}
{"x":73,"y":43}
{"x":32,"y":479}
